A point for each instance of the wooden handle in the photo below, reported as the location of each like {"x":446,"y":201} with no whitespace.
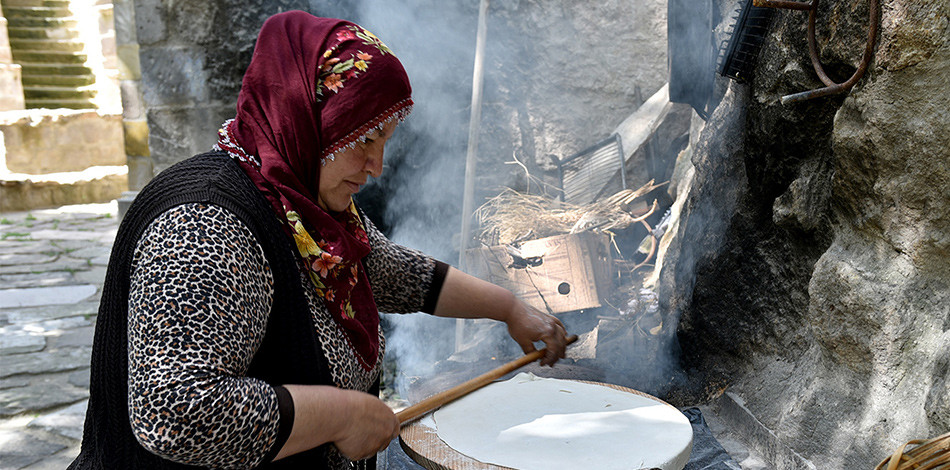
{"x":470,"y":386}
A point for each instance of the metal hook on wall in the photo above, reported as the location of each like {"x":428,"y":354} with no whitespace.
{"x":831,"y":87}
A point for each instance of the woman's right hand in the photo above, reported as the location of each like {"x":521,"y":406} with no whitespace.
{"x":370,"y":428}
{"x":357,"y":423}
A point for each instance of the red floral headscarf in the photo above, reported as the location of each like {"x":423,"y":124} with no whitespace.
{"x":316,"y":86}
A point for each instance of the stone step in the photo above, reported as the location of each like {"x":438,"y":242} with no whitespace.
{"x":19,"y":192}
{"x":36,"y":3}
{"x":48,"y":57}
{"x":59,"y":80}
{"x":16,"y":12}
{"x":55,"y":69}
{"x":57,"y":93}
{"x":83,"y":139}
{"x":28,"y":32}
{"x":29,"y":22}
{"x":46,"y":45}
{"x":60,"y":104}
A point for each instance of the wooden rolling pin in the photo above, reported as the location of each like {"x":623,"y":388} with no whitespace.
{"x":458,"y":391}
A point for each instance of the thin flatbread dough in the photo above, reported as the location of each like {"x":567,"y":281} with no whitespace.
{"x":530,"y":423}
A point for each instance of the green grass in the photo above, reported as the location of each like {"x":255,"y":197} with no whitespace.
{"x":30,"y":217}
{"x":6,"y":221}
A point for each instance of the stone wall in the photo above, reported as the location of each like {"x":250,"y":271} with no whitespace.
{"x":43,"y":141}
{"x":819,"y":237}
{"x":192,"y":55}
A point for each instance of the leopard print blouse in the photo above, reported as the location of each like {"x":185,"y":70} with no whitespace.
{"x":201,"y":290}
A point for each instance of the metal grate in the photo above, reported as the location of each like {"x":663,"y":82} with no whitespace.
{"x":739,"y":52}
{"x":593,"y":172}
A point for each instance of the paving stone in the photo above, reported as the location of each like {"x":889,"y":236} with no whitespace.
{"x":90,"y":252}
{"x":21,"y":280}
{"x":13,"y":382}
{"x":57,"y":461}
{"x":60,"y":265}
{"x":43,"y":393}
{"x":101,"y":260}
{"x":93,"y":275}
{"x":90,"y":235}
{"x":66,"y":422}
{"x":57,"y":295}
{"x":22,"y":247}
{"x":18,"y":342}
{"x":13,"y":259}
{"x":71,"y":338}
{"x":23,"y":315}
{"x":42,"y":362}
{"x":19,"y":449}
{"x":80,"y":378}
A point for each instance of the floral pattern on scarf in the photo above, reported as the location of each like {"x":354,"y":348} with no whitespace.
{"x":335,"y":71}
{"x":324,"y":265}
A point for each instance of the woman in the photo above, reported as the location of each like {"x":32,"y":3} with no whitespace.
{"x":239,"y":323}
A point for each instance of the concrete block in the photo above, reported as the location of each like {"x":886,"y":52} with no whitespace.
{"x":141,"y":171}
{"x":133,"y":105}
{"x":123,"y":12}
{"x":129,"y":66}
{"x":150,"y":21}
{"x":173,"y":76}
{"x":25,"y":194}
{"x":178,"y":133}
{"x":136,"y":137}
{"x":52,"y":141}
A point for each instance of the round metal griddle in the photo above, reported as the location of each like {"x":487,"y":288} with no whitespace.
{"x":421,"y":442}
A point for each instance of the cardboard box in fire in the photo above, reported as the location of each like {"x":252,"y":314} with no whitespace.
{"x":562,"y":273}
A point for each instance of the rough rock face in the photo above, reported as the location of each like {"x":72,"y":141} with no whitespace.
{"x":820,"y":238}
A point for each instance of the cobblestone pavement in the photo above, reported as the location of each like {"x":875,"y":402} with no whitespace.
{"x":52,"y":265}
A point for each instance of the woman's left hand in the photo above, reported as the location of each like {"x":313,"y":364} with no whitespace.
{"x":466,"y":296}
{"x":528,"y":325}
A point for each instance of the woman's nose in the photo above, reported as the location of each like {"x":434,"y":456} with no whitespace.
{"x":374,"y":161}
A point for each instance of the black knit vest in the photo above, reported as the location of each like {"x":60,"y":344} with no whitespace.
{"x":290,"y":351}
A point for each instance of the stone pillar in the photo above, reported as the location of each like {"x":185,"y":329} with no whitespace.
{"x":133,"y":106}
{"x":11,"y":88}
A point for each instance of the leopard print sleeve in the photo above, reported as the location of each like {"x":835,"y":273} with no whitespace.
{"x":201,"y":291}
{"x":403,"y":280}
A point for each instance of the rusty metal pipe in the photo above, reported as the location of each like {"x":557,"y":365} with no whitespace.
{"x":788,"y":5}
{"x":831,"y":87}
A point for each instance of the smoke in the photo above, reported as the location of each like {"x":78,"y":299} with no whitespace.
{"x":418,"y":199}
{"x":424,"y":176}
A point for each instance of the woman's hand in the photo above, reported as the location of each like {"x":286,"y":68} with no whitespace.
{"x":357,"y":423}
{"x":528,"y":325}
{"x":371,"y":427}
{"x":465,"y":296}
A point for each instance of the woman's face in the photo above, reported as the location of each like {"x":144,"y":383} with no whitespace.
{"x":342,"y":177}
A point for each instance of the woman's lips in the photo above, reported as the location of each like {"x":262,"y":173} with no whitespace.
{"x":354,"y":187}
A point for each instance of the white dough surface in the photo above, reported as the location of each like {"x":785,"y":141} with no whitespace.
{"x":529,"y":423}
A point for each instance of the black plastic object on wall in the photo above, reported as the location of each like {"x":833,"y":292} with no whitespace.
{"x":691,"y":53}
{"x":739,"y":52}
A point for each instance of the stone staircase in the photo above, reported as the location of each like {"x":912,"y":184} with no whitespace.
{"x":44,"y":37}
